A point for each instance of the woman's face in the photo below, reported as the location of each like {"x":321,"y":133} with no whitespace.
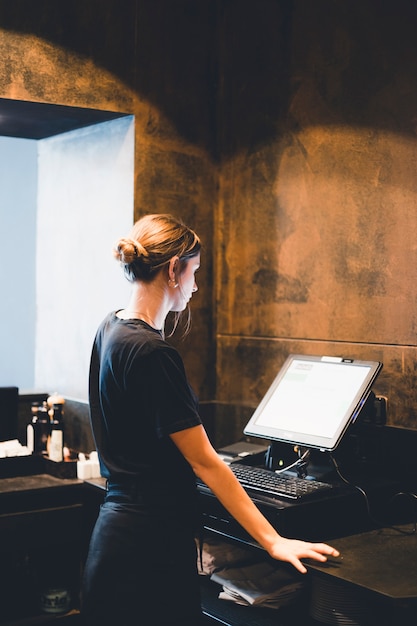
{"x":186,"y":284}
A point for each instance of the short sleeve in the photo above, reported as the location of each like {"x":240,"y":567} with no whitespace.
{"x":174,"y":402}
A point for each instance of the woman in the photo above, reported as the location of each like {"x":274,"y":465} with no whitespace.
{"x":142,"y":565}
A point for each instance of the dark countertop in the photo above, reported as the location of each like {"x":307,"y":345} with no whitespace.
{"x":99,"y":482}
{"x":38,"y":481}
{"x":383,"y":561}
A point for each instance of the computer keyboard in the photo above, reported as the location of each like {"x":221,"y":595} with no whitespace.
{"x":275,"y":485}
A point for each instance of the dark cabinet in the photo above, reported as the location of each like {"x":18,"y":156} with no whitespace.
{"x":44,"y":530}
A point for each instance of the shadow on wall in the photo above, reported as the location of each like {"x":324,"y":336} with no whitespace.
{"x":175,"y":38}
{"x":209,"y":53}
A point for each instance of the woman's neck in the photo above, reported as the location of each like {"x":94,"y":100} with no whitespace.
{"x":147,"y":302}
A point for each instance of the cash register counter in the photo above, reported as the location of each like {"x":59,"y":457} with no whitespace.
{"x":46,"y":521}
{"x":374,"y":583}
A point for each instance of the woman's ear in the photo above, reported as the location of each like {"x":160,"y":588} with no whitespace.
{"x":173,"y":270}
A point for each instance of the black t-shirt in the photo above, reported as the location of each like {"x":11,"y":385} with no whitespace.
{"x":139,"y":395}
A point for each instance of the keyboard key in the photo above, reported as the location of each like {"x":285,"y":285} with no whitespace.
{"x":277,"y":485}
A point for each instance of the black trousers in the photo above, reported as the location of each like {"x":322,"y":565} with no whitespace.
{"x":141,"y":569}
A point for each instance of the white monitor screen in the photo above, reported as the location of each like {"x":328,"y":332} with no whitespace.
{"x":313,"y":400}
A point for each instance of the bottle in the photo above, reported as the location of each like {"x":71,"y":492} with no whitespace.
{"x":56,"y":440}
{"x":31,"y":430}
{"x":38,"y":430}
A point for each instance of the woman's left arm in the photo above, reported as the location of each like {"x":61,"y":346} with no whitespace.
{"x":195,"y":446}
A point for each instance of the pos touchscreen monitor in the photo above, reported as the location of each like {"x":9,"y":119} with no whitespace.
{"x":313,"y":400}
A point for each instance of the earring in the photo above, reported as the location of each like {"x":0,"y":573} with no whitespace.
{"x":172,"y":283}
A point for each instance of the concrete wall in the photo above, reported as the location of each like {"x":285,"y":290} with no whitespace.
{"x":85,"y":202}
{"x":58,"y":278}
{"x":18,"y":204}
{"x":285,"y":133}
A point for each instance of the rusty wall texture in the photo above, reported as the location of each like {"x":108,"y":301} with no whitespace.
{"x":152,"y":59}
{"x":284,"y":131}
{"x":317,"y":219}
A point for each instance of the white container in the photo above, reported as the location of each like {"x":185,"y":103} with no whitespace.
{"x":55,"y":600}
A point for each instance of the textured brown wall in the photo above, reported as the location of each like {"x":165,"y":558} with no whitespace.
{"x":285,"y":132}
{"x":153,"y":59}
{"x":317,"y":211}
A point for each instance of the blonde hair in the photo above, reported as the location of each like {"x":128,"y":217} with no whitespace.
{"x":151,"y":244}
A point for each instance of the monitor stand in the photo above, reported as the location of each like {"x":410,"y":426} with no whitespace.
{"x":298,"y":461}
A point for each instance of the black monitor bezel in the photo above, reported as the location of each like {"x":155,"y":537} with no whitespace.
{"x":310,"y":440}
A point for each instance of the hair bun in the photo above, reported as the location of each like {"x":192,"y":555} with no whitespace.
{"x":127,"y":250}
